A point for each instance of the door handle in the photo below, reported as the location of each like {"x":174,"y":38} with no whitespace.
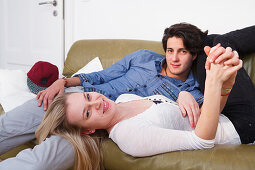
{"x":54,"y":3}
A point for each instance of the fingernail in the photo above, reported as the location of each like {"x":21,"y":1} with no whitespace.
{"x":211,"y":60}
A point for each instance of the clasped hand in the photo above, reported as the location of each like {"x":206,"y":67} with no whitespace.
{"x":224,"y":62}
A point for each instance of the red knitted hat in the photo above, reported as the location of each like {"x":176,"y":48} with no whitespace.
{"x":41,"y":76}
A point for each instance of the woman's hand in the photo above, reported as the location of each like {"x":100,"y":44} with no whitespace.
{"x":224,"y":73}
{"x":229,"y":58}
{"x":46,"y":96}
{"x":189,"y":106}
{"x":219,"y":54}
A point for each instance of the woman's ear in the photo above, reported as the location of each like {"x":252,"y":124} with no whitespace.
{"x":88,"y":131}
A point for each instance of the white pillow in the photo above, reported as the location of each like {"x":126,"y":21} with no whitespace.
{"x":13,"y":85}
{"x":13,"y":89}
{"x":93,"y":66}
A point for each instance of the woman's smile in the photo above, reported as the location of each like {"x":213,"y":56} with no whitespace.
{"x":105,"y":106}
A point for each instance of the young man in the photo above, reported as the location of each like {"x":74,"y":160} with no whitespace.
{"x":170,"y":78}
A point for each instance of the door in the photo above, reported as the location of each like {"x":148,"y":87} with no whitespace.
{"x":31,"y":31}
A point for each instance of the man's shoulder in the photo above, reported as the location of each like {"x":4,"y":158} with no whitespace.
{"x":148,"y":54}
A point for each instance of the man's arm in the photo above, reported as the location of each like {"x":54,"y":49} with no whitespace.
{"x":118,"y":69}
{"x":242,"y":40}
{"x":46,"y":96}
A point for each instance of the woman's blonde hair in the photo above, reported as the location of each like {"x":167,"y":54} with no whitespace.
{"x":88,"y":154}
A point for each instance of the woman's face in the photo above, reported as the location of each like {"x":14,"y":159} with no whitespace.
{"x":90,"y":110}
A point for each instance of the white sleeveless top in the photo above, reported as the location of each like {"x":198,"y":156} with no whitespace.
{"x":162,"y":128}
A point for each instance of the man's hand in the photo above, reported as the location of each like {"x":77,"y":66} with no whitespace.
{"x":46,"y":96}
{"x":219,"y":54}
{"x":189,"y":106}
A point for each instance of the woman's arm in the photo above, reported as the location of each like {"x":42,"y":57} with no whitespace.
{"x":140,"y":138}
{"x":215,"y":78}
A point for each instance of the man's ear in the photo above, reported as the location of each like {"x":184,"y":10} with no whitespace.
{"x":88,"y":131}
{"x":194,"y":57}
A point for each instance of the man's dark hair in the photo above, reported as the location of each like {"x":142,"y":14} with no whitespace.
{"x":191,"y":36}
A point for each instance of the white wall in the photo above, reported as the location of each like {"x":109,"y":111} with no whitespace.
{"x":147,"y":19}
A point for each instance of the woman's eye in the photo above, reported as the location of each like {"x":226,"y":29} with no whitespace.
{"x":87,"y":114}
{"x":88,"y":96}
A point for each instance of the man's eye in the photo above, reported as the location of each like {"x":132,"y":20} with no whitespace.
{"x":88,"y":96}
{"x":88,"y":114}
{"x":184,"y":52}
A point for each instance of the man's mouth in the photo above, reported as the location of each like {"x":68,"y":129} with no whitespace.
{"x":175,"y":65}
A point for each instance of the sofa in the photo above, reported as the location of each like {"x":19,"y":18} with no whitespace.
{"x":219,"y":157}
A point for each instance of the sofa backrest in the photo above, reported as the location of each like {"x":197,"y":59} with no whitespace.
{"x":111,"y":50}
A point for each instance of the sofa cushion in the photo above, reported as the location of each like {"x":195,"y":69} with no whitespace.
{"x":249,"y":65}
{"x":219,"y":157}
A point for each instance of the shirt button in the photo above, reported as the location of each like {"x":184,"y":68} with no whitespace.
{"x":110,"y":95}
{"x":135,"y":89}
{"x":158,"y":75}
{"x":129,"y":90}
{"x":145,"y":86}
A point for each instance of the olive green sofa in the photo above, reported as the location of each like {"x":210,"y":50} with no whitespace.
{"x":219,"y":157}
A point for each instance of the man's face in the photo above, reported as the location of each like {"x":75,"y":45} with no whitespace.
{"x":178,"y":59}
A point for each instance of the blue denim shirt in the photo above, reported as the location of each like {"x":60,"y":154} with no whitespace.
{"x":138,"y":73}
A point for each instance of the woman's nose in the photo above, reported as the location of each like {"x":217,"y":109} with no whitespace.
{"x":96,"y":104}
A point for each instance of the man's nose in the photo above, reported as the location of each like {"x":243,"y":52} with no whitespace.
{"x":175,"y":57}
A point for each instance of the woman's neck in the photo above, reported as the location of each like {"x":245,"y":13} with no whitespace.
{"x":129,"y":109}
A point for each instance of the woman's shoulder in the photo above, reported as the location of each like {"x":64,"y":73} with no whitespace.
{"x":162,"y":98}
{"x":131,"y":97}
{"x":127,"y":97}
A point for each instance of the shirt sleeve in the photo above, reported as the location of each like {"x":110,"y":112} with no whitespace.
{"x":242,"y":40}
{"x":117,"y":70}
{"x":141,"y":139}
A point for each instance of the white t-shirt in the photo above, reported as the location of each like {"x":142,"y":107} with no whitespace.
{"x":162,"y":128}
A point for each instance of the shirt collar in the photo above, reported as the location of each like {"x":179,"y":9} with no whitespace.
{"x":159,"y":64}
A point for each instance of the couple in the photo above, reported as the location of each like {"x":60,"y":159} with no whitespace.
{"x":158,"y":75}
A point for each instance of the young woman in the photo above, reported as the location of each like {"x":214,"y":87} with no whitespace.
{"x":140,"y":126}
